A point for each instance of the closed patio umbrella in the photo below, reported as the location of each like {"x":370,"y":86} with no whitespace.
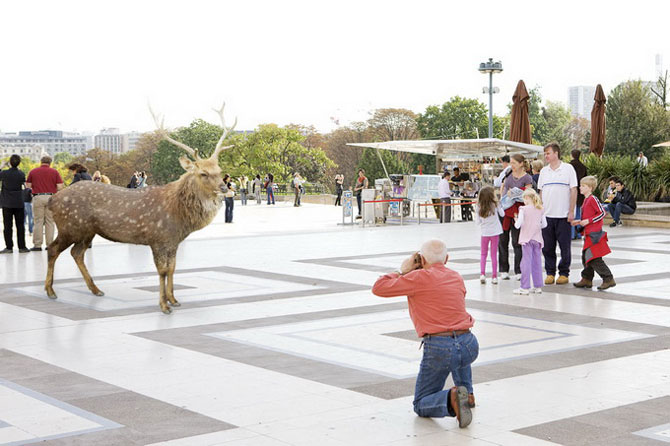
{"x":598,"y":122}
{"x":520,"y":125}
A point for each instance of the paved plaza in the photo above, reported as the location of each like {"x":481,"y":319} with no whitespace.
{"x":280,"y":341}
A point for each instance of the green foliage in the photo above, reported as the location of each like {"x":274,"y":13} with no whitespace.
{"x":635,"y":121}
{"x":659,"y":174}
{"x":63,"y":158}
{"x":460,"y":118}
{"x":558,"y":119}
{"x":276,"y":150}
{"x":647,"y":184}
{"x":27,"y":165}
{"x":200,"y":135}
{"x":373,"y":167}
{"x":538,"y":122}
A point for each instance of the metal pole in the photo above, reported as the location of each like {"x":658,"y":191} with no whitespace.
{"x":491,"y":105}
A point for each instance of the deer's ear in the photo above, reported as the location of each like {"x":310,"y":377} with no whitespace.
{"x":186,"y":163}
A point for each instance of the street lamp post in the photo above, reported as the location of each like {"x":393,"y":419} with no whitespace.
{"x":490,"y":67}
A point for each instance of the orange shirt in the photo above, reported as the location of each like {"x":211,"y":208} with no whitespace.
{"x":436,"y":298}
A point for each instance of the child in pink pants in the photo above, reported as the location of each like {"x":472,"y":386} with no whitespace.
{"x":488,"y":213}
{"x":531,"y":220}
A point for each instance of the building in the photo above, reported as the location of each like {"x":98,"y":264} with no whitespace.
{"x":33,"y":153}
{"x":133,"y":138}
{"x":580,"y":101}
{"x":111,"y":140}
{"x":48,"y":141}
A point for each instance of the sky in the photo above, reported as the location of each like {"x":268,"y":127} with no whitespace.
{"x":85,"y":65}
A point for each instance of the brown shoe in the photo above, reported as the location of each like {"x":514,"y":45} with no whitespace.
{"x":562,"y":280}
{"x":458,"y":397}
{"x":471,"y":400}
{"x":607,"y":283}
{"x":584,"y":283}
{"x":549,"y":280}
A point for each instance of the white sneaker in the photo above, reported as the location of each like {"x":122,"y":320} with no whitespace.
{"x":494,"y":281}
{"x":536,"y":290}
{"x":522,"y":291}
{"x":517,"y":277}
{"x":504,"y":276}
{"x":482,"y":279}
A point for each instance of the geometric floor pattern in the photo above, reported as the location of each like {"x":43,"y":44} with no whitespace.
{"x":280,"y":341}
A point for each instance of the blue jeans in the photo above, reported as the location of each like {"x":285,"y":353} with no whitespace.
{"x":578,"y":216}
{"x":28,"y":210}
{"x":271,"y":195}
{"x":443,"y":355}
{"x":230,"y":202}
{"x":617,"y":209}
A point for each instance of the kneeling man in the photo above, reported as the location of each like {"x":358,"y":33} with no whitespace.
{"x":436,"y":299}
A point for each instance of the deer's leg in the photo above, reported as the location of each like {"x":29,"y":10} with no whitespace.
{"x":161,"y":260}
{"x":172,"y":261}
{"x":59,"y":245}
{"x":77,"y":252}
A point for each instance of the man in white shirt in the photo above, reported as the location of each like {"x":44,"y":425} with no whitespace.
{"x":642,"y":159}
{"x":497,"y":182}
{"x":558,"y":187}
{"x":444,"y":192}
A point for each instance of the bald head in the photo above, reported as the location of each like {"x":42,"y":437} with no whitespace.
{"x":434,"y":251}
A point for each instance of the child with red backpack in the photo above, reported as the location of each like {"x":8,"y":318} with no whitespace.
{"x":595,"y":239}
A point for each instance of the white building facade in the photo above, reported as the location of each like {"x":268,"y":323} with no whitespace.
{"x":580,"y":100}
{"x":111,"y":140}
{"x":50,"y":142}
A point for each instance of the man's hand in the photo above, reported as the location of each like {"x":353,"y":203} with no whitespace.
{"x":411,"y":263}
{"x":571,"y":219}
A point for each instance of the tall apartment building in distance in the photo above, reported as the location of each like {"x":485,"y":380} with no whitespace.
{"x":580,"y":101}
{"x":29,"y":143}
{"x":133,"y":138}
{"x":111,"y":140}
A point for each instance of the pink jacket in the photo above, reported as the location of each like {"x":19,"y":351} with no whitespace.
{"x":531,"y":220}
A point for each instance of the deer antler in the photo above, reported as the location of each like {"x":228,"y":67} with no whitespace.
{"x":160,"y":125}
{"x":226,"y":131}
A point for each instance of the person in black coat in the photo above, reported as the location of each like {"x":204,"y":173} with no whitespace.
{"x":11,"y":198}
{"x":80,"y":173}
{"x":622,"y":203}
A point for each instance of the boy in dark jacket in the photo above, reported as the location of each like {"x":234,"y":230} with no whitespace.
{"x":595,"y":239}
{"x":622,"y":203}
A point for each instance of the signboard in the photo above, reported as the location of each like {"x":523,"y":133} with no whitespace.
{"x":347,"y":204}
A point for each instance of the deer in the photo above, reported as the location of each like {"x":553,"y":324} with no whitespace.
{"x":158,"y":216}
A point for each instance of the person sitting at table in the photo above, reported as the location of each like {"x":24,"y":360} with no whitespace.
{"x":460,"y":177}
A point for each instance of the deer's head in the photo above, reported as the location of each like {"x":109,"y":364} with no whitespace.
{"x":205,"y":171}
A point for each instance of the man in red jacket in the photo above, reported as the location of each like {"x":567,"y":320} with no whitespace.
{"x":436,"y":299}
{"x":595,"y":239}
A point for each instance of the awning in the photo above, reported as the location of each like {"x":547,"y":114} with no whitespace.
{"x":457,"y":149}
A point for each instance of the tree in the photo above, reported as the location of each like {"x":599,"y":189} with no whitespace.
{"x":393,"y":124}
{"x":579,"y":132}
{"x":372,"y":165}
{"x":460,"y":118}
{"x":346,"y":158}
{"x":399,"y":124}
{"x":538,"y":122}
{"x":557,"y":119}
{"x":63,"y":158}
{"x":276,"y":150}
{"x":635,"y":121}
{"x":200,"y":135}
{"x":660,"y":90}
